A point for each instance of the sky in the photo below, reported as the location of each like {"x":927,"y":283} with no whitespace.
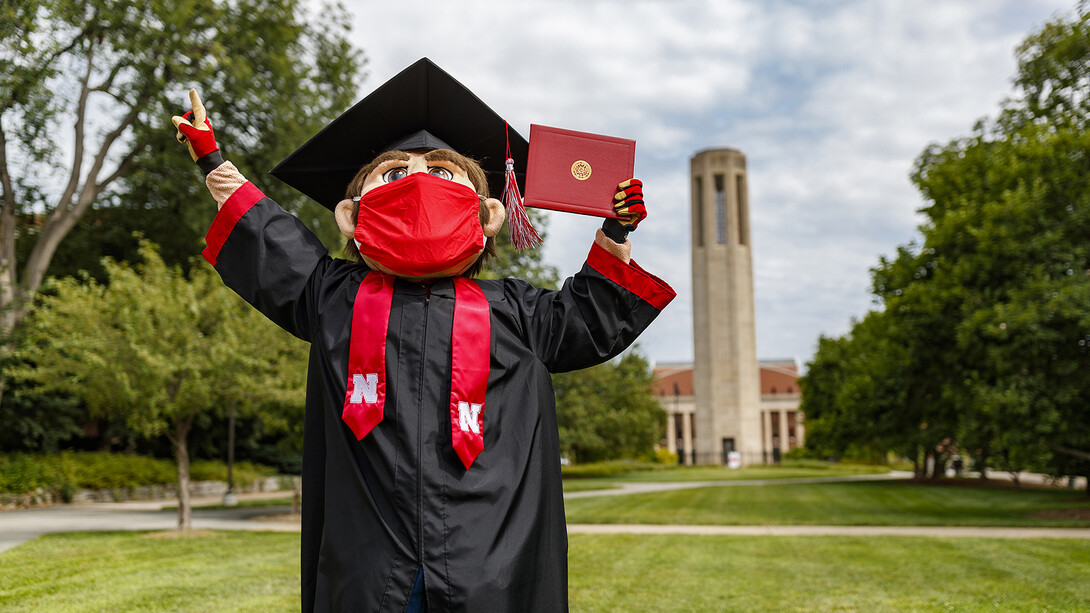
{"x":830,"y":101}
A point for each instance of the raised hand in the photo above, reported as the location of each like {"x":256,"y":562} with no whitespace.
{"x":195,"y":130}
{"x":628,"y":203}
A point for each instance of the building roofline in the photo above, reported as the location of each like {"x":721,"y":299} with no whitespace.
{"x":769,"y":363}
{"x":710,"y":149}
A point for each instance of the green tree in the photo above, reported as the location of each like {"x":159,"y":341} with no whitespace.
{"x":158,"y":348}
{"x":1019,"y":264}
{"x":607,"y":411}
{"x":864,"y":395}
{"x":528,"y":265}
{"x":846,"y":396}
{"x":40,"y":423}
{"x":1053,"y":75}
{"x":984,"y":321}
{"x":103,"y":77}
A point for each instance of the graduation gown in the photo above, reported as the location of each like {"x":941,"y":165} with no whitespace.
{"x":378,"y":510}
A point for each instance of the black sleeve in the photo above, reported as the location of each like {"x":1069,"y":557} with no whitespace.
{"x":596,"y":314}
{"x":268,"y":257}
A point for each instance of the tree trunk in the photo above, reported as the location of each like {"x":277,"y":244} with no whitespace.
{"x":9,"y":289}
{"x":938,"y":466}
{"x":181,"y":455}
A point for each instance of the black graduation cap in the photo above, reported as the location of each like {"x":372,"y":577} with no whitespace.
{"x":422,"y":107}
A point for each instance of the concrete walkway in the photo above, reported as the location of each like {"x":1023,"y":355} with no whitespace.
{"x":17,"y":527}
{"x":25,"y":524}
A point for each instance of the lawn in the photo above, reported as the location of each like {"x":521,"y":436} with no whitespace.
{"x":724,"y":573}
{"x":575,"y":481}
{"x":875,"y":503}
{"x":644,"y":471}
{"x":722,"y":473}
{"x":111,"y":571}
{"x":216,"y":571}
{"x":584,"y":485}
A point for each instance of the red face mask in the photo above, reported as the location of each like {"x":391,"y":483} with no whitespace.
{"x":419,"y":225}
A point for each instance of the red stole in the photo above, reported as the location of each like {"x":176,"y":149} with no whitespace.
{"x":365,"y":396}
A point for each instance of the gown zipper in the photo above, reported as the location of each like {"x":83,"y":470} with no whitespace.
{"x":420,"y":439}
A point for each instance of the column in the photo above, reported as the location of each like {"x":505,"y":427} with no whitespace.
{"x":766,"y":451}
{"x":671,"y":432}
{"x":687,"y":437}
{"x":784,"y":447}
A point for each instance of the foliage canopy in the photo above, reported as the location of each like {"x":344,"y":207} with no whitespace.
{"x":607,"y":411}
{"x":86,"y":92}
{"x":158,"y":349}
{"x":982,"y":341}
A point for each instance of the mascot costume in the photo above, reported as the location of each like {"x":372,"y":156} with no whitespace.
{"x":431,"y":457}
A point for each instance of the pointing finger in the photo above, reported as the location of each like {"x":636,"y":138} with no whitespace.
{"x":198,"y":108}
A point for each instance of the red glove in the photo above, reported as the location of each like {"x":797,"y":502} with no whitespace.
{"x":195,"y":130}
{"x":201,"y":141}
{"x":628,"y":203}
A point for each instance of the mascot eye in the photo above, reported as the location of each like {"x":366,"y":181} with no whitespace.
{"x":439,"y":171}
{"x":394,"y":174}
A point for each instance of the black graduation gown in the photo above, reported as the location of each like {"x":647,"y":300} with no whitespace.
{"x":490,"y":538}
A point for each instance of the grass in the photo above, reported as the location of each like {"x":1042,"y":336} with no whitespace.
{"x":721,"y":573}
{"x":885,"y":503}
{"x":102,"y":571}
{"x":215,"y":571}
{"x":583,"y":485}
{"x":606,"y":475}
{"x":787,"y":470}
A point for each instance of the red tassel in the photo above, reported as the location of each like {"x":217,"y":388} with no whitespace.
{"x":521,"y":232}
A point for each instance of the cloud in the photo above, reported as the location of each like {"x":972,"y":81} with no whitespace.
{"x":831,"y":102}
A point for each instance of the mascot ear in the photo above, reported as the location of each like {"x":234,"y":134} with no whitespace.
{"x":345,"y":213}
{"x":496,"y":215}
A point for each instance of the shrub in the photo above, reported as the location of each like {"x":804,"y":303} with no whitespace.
{"x":245,"y":473}
{"x":66,"y":472}
{"x":102,"y":470}
{"x":21,"y":473}
{"x":803,"y":453}
{"x":606,"y":469}
{"x":665,"y":456}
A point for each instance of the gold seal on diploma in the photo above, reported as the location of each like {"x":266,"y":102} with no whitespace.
{"x":580,"y":170}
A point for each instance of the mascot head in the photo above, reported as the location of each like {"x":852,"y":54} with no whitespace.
{"x":409,"y":172}
{"x":421,"y":214}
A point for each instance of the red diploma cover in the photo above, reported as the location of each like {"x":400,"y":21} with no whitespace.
{"x":576,"y":172}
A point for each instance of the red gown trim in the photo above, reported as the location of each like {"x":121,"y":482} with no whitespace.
{"x":243,"y":198}
{"x":630,"y":276}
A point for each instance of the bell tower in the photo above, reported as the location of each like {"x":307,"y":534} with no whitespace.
{"x":726,"y":376}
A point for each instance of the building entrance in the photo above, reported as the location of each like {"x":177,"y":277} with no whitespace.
{"x":728,"y":447}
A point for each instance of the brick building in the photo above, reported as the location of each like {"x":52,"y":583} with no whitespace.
{"x":782,"y":426}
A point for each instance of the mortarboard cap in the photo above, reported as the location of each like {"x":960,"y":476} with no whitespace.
{"x":422,"y":107}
